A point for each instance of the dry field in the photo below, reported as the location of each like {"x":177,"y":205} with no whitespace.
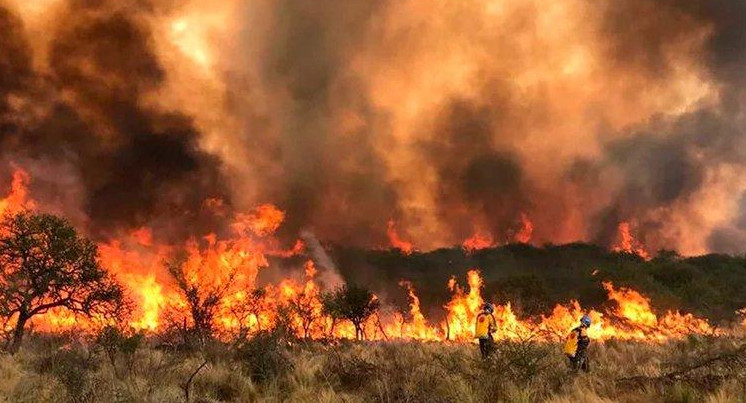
{"x":270,"y":369}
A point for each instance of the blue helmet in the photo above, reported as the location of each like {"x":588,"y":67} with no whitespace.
{"x":585,"y":321}
{"x":488,"y":307}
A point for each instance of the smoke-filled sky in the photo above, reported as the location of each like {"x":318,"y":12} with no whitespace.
{"x":449,"y":117}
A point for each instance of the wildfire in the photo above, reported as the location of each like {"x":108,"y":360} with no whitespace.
{"x":18,"y":199}
{"x":138,"y":267}
{"x":418,"y":328}
{"x":232,"y":265}
{"x":627,"y":243}
{"x":526,"y":231}
{"x":483,"y":240}
{"x":463,"y":307}
{"x":480,"y":240}
{"x":396,"y":241}
{"x":263,"y":221}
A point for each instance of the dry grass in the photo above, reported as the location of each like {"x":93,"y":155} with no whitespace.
{"x":58,"y":371}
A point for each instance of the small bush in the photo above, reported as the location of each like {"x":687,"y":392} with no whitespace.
{"x":351,"y":373}
{"x":224,"y":384}
{"x":681,"y":393}
{"x":116,"y":344}
{"x":517,"y":365}
{"x":264,"y":356}
{"x":72,"y":368}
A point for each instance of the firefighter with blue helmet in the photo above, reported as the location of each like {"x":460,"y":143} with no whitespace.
{"x":484,"y":327}
{"x":576,"y":345}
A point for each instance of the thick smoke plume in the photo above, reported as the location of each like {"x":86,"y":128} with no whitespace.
{"x":450,"y":118}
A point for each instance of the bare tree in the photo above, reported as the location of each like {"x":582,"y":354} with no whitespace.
{"x":250,"y":306}
{"x":44,"y":265}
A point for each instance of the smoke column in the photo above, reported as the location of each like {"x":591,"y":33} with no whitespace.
{"x":450,"y":118}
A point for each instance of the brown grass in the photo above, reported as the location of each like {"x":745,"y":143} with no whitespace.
{"x":58,"y":371}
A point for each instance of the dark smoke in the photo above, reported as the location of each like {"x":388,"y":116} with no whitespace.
{"x":15,"y":64}
{"x":667,"y":161}
{"x":489,"y":183}
{"x":334,"y":184}
{"x":320,"y":147}
{"x":136,"y":164}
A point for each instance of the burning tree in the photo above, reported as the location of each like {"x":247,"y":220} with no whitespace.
{"x":353,"y":303}
{"x":45,"y":265}
{"x":203,"y":299}
{"x":250,"y":306}
{"x":307,"y":309}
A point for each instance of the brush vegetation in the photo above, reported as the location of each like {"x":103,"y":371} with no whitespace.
{"x":534,"y":279}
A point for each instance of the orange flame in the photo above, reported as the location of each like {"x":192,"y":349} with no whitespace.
{"x":463,"y":308}
{"x":18,"y":199}
{"x":526,"y":231}
{"x":418,"y":328}
{"x":396,"y":241}
{"x":480,"y":240}
{"x":263,"y":221}
{"x":136,"y":259}
{"x":628,"y":244}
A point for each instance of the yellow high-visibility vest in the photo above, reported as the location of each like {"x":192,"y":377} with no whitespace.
{"x":571,"y":343}
{"x":485,"y":324}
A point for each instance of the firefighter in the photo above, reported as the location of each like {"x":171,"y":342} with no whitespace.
{"x":484,"y":327}
{"x":576,"y":345}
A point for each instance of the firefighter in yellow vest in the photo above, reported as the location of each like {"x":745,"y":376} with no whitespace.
{"x":576,"y":345}
{"x":484,"y":327}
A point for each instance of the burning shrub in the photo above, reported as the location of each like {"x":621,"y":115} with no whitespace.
{"x":249,"y":307}
{"x":305,"y":307}
{"x":202,"y":300}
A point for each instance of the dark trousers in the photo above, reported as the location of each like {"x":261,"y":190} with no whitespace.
{"x":485,"y":345}
{"x":579,"y":362}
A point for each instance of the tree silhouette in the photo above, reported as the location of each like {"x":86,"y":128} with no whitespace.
{"x":203,"y":299}
{"x":305,"y":306}
{"x":353,"y":303}
{"x":44,"y":264}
